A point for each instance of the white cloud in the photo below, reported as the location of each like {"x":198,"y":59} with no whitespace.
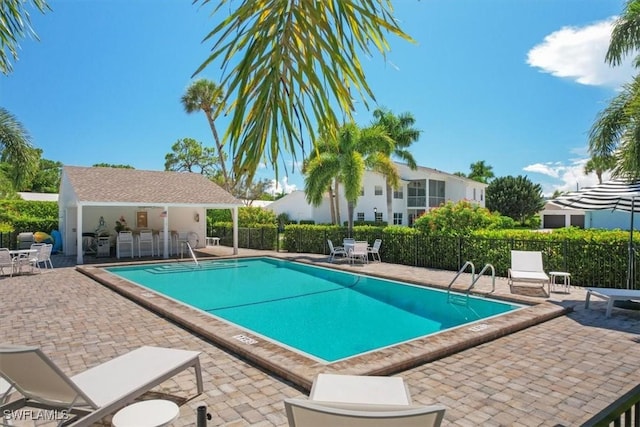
{"x":566,"y":177}
{"x":544,"y":169}
{"x":277,"y":187}
{"x":578,"y":53}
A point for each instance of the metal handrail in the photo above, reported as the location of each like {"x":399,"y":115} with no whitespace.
{"x":193,"y":255}
{"x":462,"y":270}
{"x":493,"y":278}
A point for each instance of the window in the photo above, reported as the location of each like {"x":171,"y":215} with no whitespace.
{"x":397,"y":218}
{"x":436,"y":193}
{"x":378,"y":216}
{"x":397,"y":194}
{"x":360,"y":216}
{"x":377,"y":190}
{"x":416,"y":194}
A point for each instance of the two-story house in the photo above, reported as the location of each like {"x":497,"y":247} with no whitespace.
{"x":420,"y":190}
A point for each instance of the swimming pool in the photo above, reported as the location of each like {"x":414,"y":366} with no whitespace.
{"x":323,"y":313}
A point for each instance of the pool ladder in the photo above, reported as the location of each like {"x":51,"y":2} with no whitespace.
{"x":455,"y":298}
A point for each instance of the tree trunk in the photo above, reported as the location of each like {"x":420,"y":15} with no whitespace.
{"x":338,"y":222}
{"x":389,"y":207}
{"x":350,"y":208}
{"x":220,"y":149}
{"x":332,"y":205}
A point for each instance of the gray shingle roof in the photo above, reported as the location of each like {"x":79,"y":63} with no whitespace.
{"x":118,"y":185}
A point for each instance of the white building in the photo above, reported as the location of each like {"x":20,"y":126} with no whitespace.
{"x":420,"y":190}
{"x":555,"y":216}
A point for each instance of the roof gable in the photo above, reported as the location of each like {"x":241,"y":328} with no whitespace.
{"x":119,"y":185}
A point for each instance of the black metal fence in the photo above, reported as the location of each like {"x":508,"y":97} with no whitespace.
{"x":624,"y":411}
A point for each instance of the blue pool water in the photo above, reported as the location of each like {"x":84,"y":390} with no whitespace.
{"x":322,"y":312}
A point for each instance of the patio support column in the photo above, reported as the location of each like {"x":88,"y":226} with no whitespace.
{"x":79,"y":253}
{"x":235,"y":230}
{"x":165,"y":233}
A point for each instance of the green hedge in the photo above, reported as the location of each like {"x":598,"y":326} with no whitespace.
{"x":17,"y":216}
{"x":263,"y":237}
{"x":593,"y":257}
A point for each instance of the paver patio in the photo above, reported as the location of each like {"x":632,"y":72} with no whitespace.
{"x":560,"y":372}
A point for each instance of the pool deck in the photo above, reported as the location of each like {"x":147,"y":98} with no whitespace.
{"x":559,"y":372}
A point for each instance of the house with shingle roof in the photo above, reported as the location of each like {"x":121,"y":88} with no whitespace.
{"x":92,"y":199}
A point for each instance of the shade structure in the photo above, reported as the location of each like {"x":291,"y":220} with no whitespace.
{"x":616,"y":194}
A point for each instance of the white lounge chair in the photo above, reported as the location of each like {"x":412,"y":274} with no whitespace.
{"x":335,"y":250}
{"x":360,"y":400}
{"x":526,"y":266}
{"x":611,"y":295}
{"x":306,"y":413}
{"x":96,"y":392}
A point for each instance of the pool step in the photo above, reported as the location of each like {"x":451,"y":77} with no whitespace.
{"x":176,"y":268}
{"x":458,"y":299}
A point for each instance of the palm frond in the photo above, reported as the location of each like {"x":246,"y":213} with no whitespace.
{"x":288,"y":64}
{"x":625,"y":37}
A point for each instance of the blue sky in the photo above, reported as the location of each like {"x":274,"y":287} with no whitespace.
{"x":514,"y":83}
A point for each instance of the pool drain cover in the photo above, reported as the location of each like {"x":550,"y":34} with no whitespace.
{"x":245,"y":339}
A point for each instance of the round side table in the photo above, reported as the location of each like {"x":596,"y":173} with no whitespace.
{"x":148,"y":413}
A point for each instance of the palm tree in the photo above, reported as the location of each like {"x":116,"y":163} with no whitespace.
{"x":599,"y":164}
{"x":625,"y":37}
{"x":16,"y":148}
{"x":204,"y":95}
{"x":481,"y":172}
{"x":344,"y":159}
{"x":400,"y":129}
{"x":288,"y":65}
{"x":15,"y":23}
{"x":616,"y":132}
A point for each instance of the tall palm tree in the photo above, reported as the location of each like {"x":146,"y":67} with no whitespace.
{"x":206,"y":96}
{"x":16,"y":148}
{"x":599,"y":165}
{"x":345,"y":159}
{"x":616,"y":131}
{"x":15,"y":23}
{"x":481,"y":172}
{"x":288,"y":65}
{"x":400,"y":129}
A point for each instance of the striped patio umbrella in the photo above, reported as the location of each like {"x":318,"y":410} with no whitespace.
{"x":617,"y":194}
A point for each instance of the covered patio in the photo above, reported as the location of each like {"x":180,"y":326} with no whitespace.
{"x":170,"y":204}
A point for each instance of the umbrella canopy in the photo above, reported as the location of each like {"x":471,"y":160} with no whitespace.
{"x":617,"y":194}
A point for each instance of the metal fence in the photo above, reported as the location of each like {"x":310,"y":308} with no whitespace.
{"x":624,"y":411}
